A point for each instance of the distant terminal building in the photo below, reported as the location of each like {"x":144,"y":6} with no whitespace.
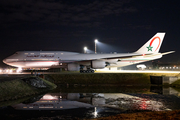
{"x":166,"y":66}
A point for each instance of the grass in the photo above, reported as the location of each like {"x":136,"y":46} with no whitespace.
{"x":107,"y":78}
{"x":103,"y":89}
{"x":50,"y":84}
{"x":176,"y":83}
{"x":119,"y":79}
{"x":13,"y":102}
{"x":15,"y":89}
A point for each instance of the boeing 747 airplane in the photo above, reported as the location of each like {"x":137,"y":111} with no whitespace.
{"x":86,"y":62}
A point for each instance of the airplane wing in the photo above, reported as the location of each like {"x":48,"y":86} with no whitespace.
{"x":129,"y":56}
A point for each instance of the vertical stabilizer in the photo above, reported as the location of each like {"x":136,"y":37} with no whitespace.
{"x":153,"y":45}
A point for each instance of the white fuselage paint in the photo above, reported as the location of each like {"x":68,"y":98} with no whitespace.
{"x":48,"y":59}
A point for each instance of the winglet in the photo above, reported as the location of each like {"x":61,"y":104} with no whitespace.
{"x":153,"y":45}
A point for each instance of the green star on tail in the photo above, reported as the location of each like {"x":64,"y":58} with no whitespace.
{"x":149,"y":48}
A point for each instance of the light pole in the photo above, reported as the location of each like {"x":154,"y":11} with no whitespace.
{"x":95,"y":41}
{"x":85,"y":49}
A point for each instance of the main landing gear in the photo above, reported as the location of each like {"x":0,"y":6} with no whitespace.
{"x":85,"y":69}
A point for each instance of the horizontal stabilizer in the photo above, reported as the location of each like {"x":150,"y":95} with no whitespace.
{"x":167,"y":53}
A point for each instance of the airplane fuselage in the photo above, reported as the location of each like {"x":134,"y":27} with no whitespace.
{"x":48,"y":59}
{"x":86,"y":62}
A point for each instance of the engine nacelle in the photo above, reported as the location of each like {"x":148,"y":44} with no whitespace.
{"x":73,"y":67}
{"x":98,"y":64}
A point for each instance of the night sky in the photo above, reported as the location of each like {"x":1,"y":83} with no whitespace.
{"x":69,"y":25}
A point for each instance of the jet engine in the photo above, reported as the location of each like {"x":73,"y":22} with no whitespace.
{"x":98,"y":64}
{"x":73,"y":67}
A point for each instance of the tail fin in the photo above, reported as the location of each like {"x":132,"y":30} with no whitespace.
{"x":153,"y":45}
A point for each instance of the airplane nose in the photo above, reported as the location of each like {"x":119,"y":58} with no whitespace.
{"x":4,"y":61}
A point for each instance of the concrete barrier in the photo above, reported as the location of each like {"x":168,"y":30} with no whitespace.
{"x":160,"y":80}
{"x":164,"y":90}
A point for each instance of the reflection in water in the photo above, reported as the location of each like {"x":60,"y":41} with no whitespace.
{"x":129,"y":102}
{"x":33,"y":99}
{"x":93,"y":105}
{"x":164,"y":91}
{"x":121,"y":101}
{"x":54,"y":102}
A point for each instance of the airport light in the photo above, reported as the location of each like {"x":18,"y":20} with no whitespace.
{"x":10,"y":70}
{"x":19,"y":70}
{"x":95,"y":41}
{"x":85,"y":49}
